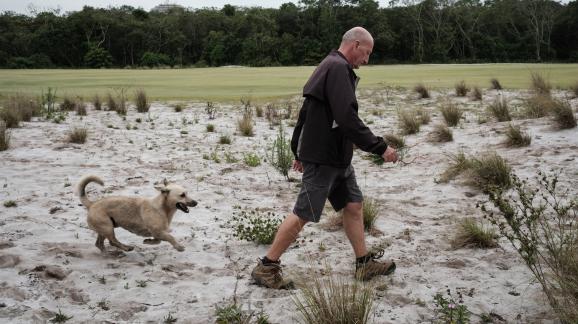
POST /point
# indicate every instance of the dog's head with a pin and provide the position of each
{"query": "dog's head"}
(175, 196)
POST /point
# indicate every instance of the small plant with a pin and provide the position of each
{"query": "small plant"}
(255, 226)
(245, 124)
(48, 101)
(574, 89)
(471, 234)
(540, 85)
(225, 139)
(281, 156)
(111, 102)
(452, 113)
(490, 171)
(178, 108)
(4, 136)
(10, 117)
(424, 116)
(78, 135)
(449, 311)
(251, 159)
(476, 93)
(538, 106)
(233, 314)
(408, 122)
(96, 102)
(259, 111)
(516, 137)
(103, 304)
(230, 158)
(459, 163)
(370, 213)
(211, 110)
(210, 128)
(121, 107)
(80, 108)
(10, 203)
(67, 104)
(422, 91)
(272, 115)
(441, 133)
(394, 141)
(461, 89)
(141, 283)
(141, 101)
(496, 84)
(499, 109)
(60, 317)
(169, 319)
(563, 114)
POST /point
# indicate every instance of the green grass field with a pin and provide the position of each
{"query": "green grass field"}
(231, 83)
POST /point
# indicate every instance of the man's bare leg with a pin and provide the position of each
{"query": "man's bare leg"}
(286, 234)
(353, 226)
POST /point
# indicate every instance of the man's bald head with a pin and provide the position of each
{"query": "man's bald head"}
(356, 34)
(356, 46)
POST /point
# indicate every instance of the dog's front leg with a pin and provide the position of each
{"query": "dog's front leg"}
(169, 238)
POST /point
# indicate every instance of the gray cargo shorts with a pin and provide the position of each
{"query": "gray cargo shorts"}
(322, 182)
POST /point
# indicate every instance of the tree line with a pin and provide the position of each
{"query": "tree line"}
(407, 31)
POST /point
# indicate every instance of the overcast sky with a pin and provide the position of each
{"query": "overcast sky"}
(23, 6)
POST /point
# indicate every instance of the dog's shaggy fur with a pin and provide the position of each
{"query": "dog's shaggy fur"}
(149, 217)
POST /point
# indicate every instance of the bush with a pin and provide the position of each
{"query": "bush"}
(408, 122)
(255, 226)
(422, 91)
(245, 124)
(4, 136)
(334, 300)
(281, 156)
(461, 89)
(370, 213)
(563, 114)
(496, 84)
(477, 94)
(141, 101)
(471, 234)
(516, 137)
(78, 135)
(540, 221)
(499, 109)
(251, 159)
(441, 133)
(451, 113)
(152, 59)
(540, 85)
(10, 117)
(538, 106)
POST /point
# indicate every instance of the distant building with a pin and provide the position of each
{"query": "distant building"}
(166, 7)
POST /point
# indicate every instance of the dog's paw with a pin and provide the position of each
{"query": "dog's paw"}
(129, 248)
(151, 241)
(180, 248)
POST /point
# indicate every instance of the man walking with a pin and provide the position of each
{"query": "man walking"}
(322, 143)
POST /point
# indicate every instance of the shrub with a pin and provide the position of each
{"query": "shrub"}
(370, 213)
(67, 104)
(540, 221)
(334, 300)
(210, 128)
(255, 226)
(10, 117)
(48, 102)
(441, 133)
(461, 89)
(540, 85)
(496, 84)
(451, 113)
(471, 234)
(78, 135)
(499, 109)
(245, 124)
(4, 136)
(96, 102)
(538, 106)
(563, 114)
(272, 115)
(424, 116)
(516, 137)
(408, 122)
(211, 110)
(281, 156)
(422, 91)
(23, 107)
(476, 93)
(251, 159)
(141, 101)
(225, 139)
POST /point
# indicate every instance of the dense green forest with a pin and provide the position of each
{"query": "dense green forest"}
(408, 31)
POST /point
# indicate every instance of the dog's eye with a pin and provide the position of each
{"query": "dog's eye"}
(183, 195)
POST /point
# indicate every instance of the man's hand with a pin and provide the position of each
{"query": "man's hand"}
(297, 166)
(390, 155)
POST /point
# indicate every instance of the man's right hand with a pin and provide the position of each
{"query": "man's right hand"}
(390, 155)
(297, 166)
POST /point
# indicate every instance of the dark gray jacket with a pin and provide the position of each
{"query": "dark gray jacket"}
(328, 123)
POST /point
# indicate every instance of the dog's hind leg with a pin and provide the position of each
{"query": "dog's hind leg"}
(100, 243)
(169, 238)
(114, 242)
(151, 241)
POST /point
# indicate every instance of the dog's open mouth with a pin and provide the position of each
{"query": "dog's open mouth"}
(182, 207)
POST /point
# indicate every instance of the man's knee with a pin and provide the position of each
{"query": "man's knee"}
(353, 209)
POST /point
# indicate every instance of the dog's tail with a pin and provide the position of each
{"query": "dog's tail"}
(81, 188)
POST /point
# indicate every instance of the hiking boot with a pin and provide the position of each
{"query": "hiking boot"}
(371, 268)
(271, 276)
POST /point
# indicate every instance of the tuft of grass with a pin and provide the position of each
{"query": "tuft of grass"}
(10, 203)
(334, 300)
(574, 89)
(67, 104)
(563, 114)
(96, 102)
(499, 109)
(516, 137)
(488, 171)
(4, 136)
(471, 234)
(141, 101)
(225, 139)
(80, 108)
(451, 113)
(111, 103)
(441, 133)
(370, 213)
(245, 124)
(476, 93)
(540, 85)
(461, 89)
(458, 164)
(408, 122)
(169, 319)
(538, 106)
(394, 141)
(210, 128)
(251, 159)
(496, 84)
(422, 91)
(60, 317)
(78, 135)
(20, 107)
(259, 111)
(424, 115)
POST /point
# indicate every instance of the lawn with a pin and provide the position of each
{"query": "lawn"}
(231, 83)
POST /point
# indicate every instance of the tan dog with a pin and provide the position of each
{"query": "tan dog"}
(141, 216)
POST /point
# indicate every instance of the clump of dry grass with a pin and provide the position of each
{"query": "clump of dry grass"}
(67, 104)
(538, 106)
(516, 137)
(80, 107)
(19, 107)
(422, 91)
(451, 113)
(476, 93)
(499, 109)
(258, 111)
(78, 135)
(272, 115)
(178, 107)
(141, 101)
(574, 89)
(210, 128)
(496, 84)
(394, 141)
(540, 85)
(471, 234)
(370, 213)
(96, 102)
(563, 114)
(111, 102)
(488, 171)
(4, 136)
(225, 139)
(458, 164)
(424, 115)
(461, 89)
(408, 122)
(245, 124)
(441, 133)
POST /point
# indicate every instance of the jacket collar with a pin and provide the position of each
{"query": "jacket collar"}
(353, 74)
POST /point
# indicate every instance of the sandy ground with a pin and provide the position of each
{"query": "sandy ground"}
(49, 261)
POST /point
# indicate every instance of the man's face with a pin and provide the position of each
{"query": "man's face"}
(362, 50)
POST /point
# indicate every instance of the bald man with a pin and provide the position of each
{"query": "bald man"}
(322, 143)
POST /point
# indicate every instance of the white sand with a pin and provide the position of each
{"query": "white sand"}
(47, 230)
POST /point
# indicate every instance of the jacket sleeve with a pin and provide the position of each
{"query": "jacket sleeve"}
(297, 131)
(340, 95)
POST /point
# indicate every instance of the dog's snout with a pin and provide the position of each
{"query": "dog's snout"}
(192, 203)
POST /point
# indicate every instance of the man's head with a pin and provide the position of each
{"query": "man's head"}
(356, 46)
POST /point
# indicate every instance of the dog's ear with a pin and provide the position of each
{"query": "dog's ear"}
(162, 188)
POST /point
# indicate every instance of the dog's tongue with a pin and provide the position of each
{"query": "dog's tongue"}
(182, 207)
